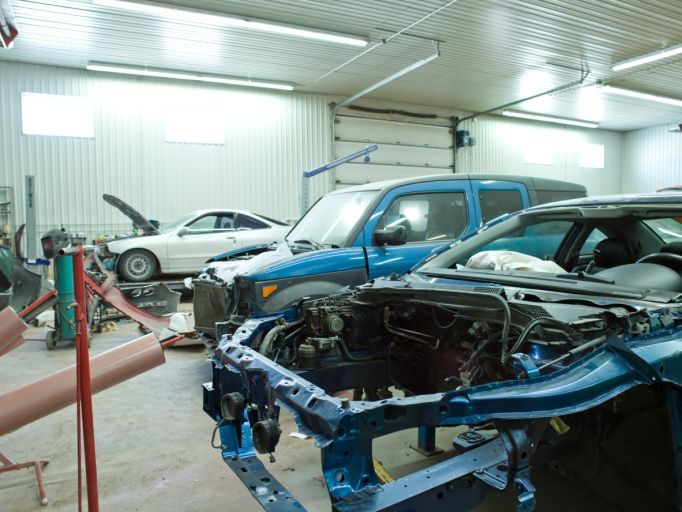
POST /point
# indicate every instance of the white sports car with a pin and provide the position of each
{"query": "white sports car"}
(183, 246)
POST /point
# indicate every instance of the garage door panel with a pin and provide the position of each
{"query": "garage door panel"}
(356, 174)
(406, 149)
(401, 155)
(377, 130)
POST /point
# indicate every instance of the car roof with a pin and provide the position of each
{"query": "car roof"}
(222, 210)
(531, 182)
(674, 199)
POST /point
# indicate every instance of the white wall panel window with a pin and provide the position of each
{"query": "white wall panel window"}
(539, 152)
(57, 115)
(195, 125)
(591, 155)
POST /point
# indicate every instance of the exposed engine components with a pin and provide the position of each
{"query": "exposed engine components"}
(232, 406)
(265, 435)
(308, 355)
(335, 324)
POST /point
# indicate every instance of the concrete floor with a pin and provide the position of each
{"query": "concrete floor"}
(153, 445)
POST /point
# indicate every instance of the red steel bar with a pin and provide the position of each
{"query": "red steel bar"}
(35, 305)
(51, 393)
(172, 341)
(11, 329)
(84, 379)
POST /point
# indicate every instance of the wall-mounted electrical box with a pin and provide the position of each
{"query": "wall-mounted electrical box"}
(463, 139)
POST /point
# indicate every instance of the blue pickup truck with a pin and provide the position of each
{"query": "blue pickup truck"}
(360, 233)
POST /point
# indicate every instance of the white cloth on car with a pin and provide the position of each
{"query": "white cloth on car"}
(226, 270)
(510, 260)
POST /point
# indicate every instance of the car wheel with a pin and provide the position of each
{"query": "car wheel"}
(137, 265)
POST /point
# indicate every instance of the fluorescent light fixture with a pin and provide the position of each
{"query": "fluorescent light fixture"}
(648, 57)
(550, 119)
(642, 95)
(180, 75)
(195, 16)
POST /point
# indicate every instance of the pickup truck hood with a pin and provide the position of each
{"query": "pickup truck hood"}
(314, 262)
(139, 220)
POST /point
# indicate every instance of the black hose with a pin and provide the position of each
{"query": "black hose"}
(391, 111)
(355, 359)
(527, 330)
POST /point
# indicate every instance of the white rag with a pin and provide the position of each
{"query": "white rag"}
(510, 260)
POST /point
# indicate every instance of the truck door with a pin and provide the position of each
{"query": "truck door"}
(495, 198)
(433, 214)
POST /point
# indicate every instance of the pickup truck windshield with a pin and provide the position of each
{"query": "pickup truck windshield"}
(331, 219)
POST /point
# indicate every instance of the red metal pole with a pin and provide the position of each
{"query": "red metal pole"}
(84, 379)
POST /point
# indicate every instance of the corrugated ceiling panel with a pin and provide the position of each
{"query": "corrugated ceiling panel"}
(270, 138)
(492, 52)
(652, 159)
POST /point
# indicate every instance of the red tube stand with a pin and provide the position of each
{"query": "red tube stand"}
(83, 373)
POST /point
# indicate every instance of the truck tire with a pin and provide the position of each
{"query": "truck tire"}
(137, 265)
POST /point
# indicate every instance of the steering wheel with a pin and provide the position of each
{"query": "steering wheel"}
(667, 259)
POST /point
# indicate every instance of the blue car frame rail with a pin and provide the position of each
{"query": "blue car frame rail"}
(498, 458)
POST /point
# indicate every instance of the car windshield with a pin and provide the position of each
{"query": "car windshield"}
(590, 240)
(331, 219)
(669, 230)
(167, 228)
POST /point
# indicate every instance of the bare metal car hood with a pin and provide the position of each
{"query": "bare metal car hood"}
(139, 220)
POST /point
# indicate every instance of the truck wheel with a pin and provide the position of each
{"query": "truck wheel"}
(137, 265)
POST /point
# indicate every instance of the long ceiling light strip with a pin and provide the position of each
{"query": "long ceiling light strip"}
(201, 17)
(180, 75)
(642, 95)
(647, 58)
(550, 119)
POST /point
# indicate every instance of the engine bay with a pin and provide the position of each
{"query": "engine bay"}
(450, 339)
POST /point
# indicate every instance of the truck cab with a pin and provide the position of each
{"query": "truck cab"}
(360, 233)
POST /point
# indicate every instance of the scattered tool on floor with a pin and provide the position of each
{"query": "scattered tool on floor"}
(101, 290)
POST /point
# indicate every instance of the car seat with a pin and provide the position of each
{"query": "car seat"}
(611, 252)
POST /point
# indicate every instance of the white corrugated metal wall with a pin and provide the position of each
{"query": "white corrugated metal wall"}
(500, 144)
(270, 137)
(652, 159)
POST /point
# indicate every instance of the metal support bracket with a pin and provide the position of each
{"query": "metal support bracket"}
(426, 442)
(328, 167)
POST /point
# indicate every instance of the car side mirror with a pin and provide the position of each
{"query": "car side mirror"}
(395, 235)
(183, 231)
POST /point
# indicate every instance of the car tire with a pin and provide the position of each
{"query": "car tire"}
(137, 265)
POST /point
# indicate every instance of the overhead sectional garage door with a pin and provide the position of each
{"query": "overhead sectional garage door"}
(406, 149)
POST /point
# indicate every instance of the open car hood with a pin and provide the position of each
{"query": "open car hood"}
(139, 220)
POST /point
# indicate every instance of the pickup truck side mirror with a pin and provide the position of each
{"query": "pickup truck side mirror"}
(396, 235)
(183, 231)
